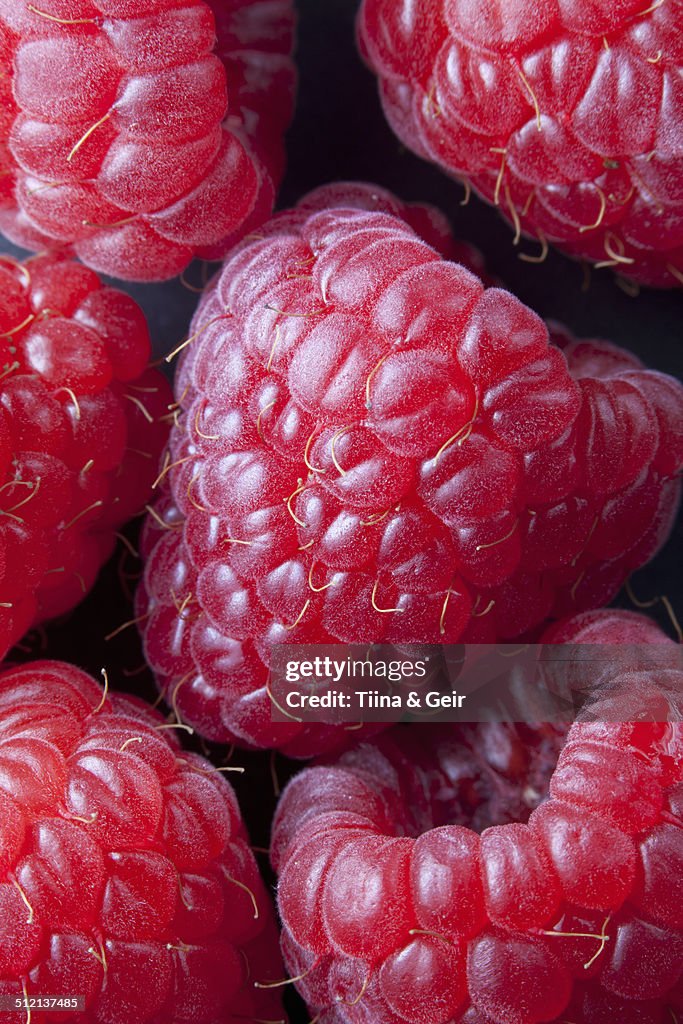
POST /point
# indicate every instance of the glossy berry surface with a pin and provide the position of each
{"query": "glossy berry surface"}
(490, 873)
(370, 446)
(126, 874)
(566, 115)
(141, 134)
(81, 431)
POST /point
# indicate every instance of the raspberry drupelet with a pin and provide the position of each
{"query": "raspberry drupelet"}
(493, 873)
(81, 431)
(126, 875)
(566, 115)
(142, 133)
(370, 446)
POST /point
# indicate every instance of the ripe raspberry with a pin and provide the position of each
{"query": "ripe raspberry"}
(565, 115)
(614, 626)
(371, 447)
(80, 433)
(142, 134)
(127, 875)
(489, 874)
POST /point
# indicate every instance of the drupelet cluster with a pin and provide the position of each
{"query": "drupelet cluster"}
(494, 873)
(127, 875)
(371, 446)
(82, 426)
(566, 115)
(141, 134)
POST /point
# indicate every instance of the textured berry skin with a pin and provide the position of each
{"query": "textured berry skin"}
(489, 874)
(142, 134)
(371, 447)
(566, 115)
(614, 626)
(81, 431)
(126, 874)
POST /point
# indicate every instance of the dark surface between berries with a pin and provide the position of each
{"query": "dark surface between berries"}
(340, 133)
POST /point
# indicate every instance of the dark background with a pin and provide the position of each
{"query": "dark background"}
(339, 133)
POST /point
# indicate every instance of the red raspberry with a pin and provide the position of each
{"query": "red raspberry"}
(126, 873)
(565, 115)
(80, 433)
(371, 447)
(489, 874)
(139, 133)
(604, 627)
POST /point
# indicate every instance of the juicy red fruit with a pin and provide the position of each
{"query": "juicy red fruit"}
(492, 873)
(81, 429)
(565, 115)
(127, 876)
(142, 134)
(371, 446)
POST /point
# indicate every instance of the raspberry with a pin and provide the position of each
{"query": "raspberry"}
(604, 627)
(142, 134)
(126, 873)
(489, 874)
(371, 447)
(80, 433)
(565, 115)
